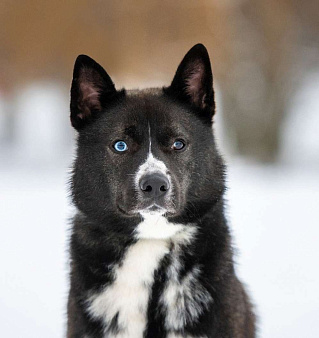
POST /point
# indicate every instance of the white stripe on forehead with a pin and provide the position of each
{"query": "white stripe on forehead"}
(151, 165)
(150, 138)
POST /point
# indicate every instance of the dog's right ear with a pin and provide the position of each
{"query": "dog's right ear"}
(92, 90)
(193, 82)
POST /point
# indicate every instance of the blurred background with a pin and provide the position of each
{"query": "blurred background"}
(265, 60)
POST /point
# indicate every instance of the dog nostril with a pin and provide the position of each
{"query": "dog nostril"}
(154, 185)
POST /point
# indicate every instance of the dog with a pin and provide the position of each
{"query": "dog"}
(150, 248)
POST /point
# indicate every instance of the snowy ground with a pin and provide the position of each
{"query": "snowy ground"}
(33, 215)
(275, 219)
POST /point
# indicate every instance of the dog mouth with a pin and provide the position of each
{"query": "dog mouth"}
(152, 209)
(125, 212)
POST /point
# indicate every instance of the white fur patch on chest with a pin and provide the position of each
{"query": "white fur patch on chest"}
(184, 299)
(127, 297)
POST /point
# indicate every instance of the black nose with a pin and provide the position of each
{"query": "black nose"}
(154, 185)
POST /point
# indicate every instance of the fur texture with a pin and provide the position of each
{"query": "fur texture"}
(150, 248)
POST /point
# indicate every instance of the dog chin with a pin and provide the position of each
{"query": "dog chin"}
(151, 210)
(154, 210)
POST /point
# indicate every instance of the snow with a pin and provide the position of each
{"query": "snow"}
(33, 285)
(275, 220)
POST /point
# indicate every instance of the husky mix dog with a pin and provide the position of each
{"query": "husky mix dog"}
(151, 252)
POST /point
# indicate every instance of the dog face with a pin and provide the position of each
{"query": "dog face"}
(149, 151)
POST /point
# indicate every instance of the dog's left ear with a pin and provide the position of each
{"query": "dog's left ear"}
(193, 82)
(91, 92)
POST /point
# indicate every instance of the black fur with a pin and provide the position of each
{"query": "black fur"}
(103, 191)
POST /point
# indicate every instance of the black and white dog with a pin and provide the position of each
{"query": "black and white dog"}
(151, 252)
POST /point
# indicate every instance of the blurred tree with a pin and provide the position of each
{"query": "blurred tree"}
(259, 50)
(266, 47)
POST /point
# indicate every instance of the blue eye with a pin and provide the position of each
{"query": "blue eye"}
(178, 145)
(120, 146)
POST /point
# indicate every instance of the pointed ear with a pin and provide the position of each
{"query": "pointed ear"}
(92, 89)
(193, 81)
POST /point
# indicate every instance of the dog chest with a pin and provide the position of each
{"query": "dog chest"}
(122, 306)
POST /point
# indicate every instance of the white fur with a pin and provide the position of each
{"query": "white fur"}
(129, 293)
(184, 300)
(155, 225)
(150, 138)
(151, 166)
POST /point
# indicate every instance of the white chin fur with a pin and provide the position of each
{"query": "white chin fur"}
(156, 226)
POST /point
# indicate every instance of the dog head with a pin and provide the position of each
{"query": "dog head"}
(148, 151)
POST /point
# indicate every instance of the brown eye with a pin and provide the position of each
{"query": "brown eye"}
(178, 145)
